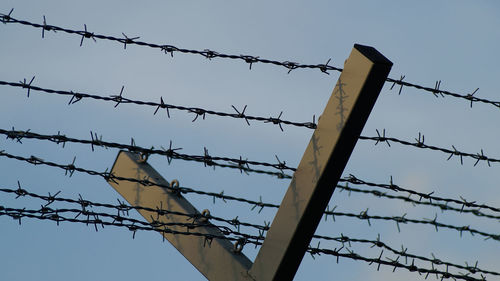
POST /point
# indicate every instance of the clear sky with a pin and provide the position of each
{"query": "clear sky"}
(456, 42)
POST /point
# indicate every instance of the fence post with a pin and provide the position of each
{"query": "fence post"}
(322, 165)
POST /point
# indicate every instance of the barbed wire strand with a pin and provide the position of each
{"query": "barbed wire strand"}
(168, 49)
(203, 218)
(352, 179)
(392, 263)
(420, 143)
(362, 215)
(71, 168)
(345, 240)
(124, 209)
(443, 207)
(197, 111)
(243, 165)
(18, 135)
(249, 59)
(171, 153)
(53, 215)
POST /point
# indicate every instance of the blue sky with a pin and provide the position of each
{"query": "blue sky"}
(453, 41)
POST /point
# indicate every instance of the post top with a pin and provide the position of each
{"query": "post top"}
(372, 54)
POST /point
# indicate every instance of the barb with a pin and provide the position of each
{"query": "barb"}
(120, 99)
(170, 49)
(170, 153)
(420, 143)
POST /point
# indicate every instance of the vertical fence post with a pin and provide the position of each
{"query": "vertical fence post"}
(322, 165)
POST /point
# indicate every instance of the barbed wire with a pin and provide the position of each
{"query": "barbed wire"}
(110, 177)
(197, 111)
(438, 92)
(211, 54)
(352, 179)
(55, 215)
(123, 211)
(70, 168)
(118, 221)
(392, 263)
(165, 48)
(171, 153)
(362, 215)
(420, 143)
(243, 165)
(345, 240)
(94, 218)
(443, 207)
(249, 59)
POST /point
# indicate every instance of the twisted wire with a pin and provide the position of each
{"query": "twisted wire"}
(392, 262)
(54, 215)
(120, 99)
(124, 209)
(243, 165)
(345, 240)
(18, 135)
(438, 92)
(443, 207)
(165, 48)
(19, 214)
(420, 143)
(110, 177)
(171, 153)
(428, 196)
(249, 59)
(362, 215)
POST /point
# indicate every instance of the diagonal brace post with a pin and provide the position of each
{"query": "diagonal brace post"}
(216, 259)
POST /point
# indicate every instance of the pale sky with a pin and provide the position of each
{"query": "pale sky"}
(456, 42)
